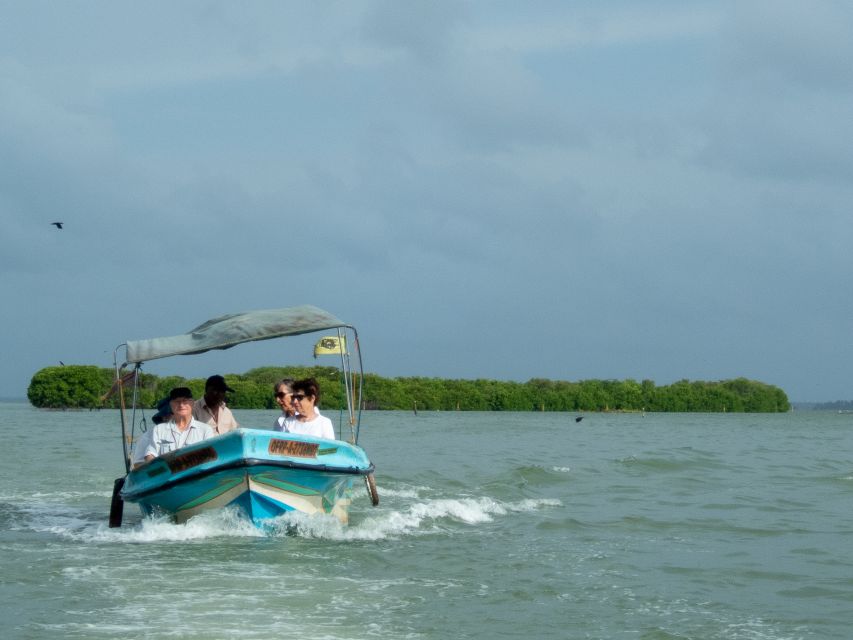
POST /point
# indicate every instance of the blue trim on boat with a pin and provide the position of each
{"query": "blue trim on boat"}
(264, 473)
(132, 496)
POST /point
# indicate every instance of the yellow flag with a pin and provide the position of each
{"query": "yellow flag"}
(330, 345)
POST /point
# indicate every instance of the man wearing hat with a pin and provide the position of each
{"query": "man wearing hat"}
(211, 408)
(179, 431)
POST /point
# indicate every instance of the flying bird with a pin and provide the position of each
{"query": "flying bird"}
(58, 225)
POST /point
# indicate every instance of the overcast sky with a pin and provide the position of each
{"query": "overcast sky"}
(508, 190)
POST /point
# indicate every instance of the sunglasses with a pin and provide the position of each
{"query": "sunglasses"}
(299, 397)
(281, 394)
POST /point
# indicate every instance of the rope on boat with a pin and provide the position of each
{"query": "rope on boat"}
(127, 439)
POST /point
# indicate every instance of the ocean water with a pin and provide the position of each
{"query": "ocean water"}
(490, 525)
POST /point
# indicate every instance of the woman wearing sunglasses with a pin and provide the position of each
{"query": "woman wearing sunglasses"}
(283, 391)
(307, 420)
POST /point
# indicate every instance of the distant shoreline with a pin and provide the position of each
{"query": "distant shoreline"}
(92, 387)
(840, 406)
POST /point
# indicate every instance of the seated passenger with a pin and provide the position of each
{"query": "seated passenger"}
(283, 396)
(307, 420)
(182, 429)
(211, 407)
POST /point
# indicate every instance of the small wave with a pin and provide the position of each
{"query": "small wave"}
(671, 465)
(752, 630)
(476, 510)
(412, 492)
(418, 519)
(86, 527)
(420, 516)
(54, 496)
(43, 517)
(534, 504)
(214, 524)
(42, 511)
(532, 476)
(12, 516)
(657, 464)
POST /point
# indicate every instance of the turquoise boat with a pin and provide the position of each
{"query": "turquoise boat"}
(262, 473)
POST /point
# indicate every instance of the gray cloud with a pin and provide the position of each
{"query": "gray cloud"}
(549, 190)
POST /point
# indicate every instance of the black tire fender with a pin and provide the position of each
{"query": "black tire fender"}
(370, 481)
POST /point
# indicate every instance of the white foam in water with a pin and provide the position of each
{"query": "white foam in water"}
(417, 519)
(532, 504)
(53, 512)
(413, 492)
(415, 516)
(65, 496)
(470, 510)
(54, 518)
(225, 522)
(221, 523)
(59, 497)
(561, 469)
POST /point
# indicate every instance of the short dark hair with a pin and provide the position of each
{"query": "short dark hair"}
(284, 382)
(309, 387)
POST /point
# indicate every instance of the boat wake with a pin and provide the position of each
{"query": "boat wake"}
(404, 511)
(427, 516)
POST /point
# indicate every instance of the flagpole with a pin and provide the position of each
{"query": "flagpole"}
(345, 366)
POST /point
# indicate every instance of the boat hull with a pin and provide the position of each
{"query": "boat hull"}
(265, 474)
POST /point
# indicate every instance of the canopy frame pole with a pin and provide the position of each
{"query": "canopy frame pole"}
(136, 382)
(360, 397)
(122, 410)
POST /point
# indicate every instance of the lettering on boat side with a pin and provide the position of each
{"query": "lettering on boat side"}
(293, 448)
(184, 461)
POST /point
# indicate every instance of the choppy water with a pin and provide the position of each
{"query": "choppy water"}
(663, 527)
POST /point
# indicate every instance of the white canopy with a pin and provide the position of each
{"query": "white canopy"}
(226, 331)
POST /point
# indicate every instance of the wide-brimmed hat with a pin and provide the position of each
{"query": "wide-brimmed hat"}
(164, 410)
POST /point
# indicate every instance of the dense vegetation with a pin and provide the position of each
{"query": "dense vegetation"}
(86, 386)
